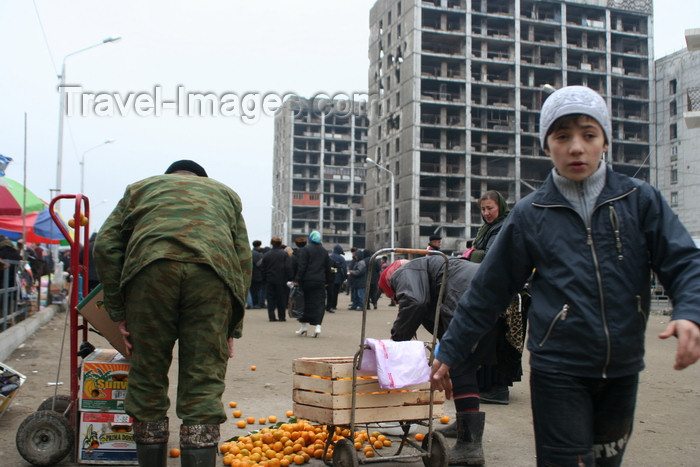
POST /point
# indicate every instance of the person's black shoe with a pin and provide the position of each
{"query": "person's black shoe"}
(330, 310)
(392, 303)
(497, 395)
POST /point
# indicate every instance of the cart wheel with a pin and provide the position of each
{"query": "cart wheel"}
(44, 438)
(439, 454)
(344, 454)
(60, 406)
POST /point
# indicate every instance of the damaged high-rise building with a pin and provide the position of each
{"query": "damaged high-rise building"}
(319, 171)
(455, 88)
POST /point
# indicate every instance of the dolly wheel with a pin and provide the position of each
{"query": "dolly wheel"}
(439, 454)
(58, 404)
(44, 438)
(344, 454)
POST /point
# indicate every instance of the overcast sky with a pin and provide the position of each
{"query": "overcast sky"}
(232, 49)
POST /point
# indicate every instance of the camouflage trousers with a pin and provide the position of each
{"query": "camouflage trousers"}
(168, 301)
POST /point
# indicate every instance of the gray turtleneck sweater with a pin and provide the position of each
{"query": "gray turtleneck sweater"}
(582, 195)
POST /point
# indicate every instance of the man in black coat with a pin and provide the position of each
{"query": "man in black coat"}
(313, 274)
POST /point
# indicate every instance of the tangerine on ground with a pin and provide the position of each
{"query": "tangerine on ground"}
(262, 420)
(174, 453)
(232, 404)
(250, 420)
(299, 459)
(272, 419)
(445, 419)
(241, 423)
(289, 413)
(253, 368)
(420, 436)
(237, 413)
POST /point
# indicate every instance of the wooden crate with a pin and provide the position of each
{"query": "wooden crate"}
(323, 394)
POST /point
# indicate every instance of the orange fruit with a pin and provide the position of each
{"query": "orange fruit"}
(445, 419)
(420, 436)
(262, 420)
(250, 420)
(83, 220)
(174, 453)
(232, 404)
(299, 459)
(284, 462)
(253, 368)
(241, 424)
(272, 419)
(237, 413)
(289, 413)
(71, 223)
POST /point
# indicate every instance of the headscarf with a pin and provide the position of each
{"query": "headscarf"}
(385, 277)
(502, 213)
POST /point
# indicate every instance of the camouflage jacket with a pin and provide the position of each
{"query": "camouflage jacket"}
(178, 217)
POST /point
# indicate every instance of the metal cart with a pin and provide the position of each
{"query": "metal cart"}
(433, 450)
(50, 434)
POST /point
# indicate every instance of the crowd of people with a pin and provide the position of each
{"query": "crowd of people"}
(571, 263)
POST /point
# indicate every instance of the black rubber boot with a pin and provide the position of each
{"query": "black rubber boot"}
(449, 431)
(468, 449)
(198, 445)
(200, 457)
(152, 443)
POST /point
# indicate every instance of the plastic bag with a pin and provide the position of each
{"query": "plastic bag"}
(295, 304)
(396, 364)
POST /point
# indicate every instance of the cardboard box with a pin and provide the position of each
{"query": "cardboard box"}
(106, 438)
(323, 393)
(104, 380)
(93, 310)
(6, 399)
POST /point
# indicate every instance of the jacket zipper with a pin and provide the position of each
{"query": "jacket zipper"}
(559, 316)
(603, 314)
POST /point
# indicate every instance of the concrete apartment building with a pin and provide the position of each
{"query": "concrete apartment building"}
(455, 87)
(676, 170)
(319, 171)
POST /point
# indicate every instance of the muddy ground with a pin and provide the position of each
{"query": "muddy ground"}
(666, 431)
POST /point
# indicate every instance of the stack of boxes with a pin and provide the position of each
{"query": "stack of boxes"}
(106, 432)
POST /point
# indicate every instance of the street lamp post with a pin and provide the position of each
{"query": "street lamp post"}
(82, 164)
(391, 194)
(62, 98)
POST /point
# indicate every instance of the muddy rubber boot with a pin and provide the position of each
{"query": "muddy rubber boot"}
(152, 442)
(449, 431)
(468, 449)
(201, 457)
(198, 445)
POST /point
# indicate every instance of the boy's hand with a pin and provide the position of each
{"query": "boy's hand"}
(688, 334)
(440, 378)
(125, 336)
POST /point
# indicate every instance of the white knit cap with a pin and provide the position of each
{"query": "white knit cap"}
(575, 100)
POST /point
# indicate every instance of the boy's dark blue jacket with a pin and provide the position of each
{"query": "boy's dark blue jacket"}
(591, 287)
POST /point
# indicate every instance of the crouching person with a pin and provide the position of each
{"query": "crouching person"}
(415, 286)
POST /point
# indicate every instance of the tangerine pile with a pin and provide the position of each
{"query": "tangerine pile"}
(293, 443)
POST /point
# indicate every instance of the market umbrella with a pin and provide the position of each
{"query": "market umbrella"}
(40, 227)
(12, 199)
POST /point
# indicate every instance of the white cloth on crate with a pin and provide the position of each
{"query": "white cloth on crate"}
(396, 364)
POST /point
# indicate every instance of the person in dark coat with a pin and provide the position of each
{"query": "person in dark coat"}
(257, 285)
(416, 287)
(357, 275)
(277, 270)
(375, 269)
(340, 266)
(313, 274)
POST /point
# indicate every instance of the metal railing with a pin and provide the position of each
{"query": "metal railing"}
(14, 306)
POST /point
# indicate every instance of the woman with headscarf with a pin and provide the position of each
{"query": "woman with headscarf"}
(495, 378)
(494, 209)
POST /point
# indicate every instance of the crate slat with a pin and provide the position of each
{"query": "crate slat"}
(328, 416)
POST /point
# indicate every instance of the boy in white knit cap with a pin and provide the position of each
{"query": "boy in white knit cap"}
(592, 236)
